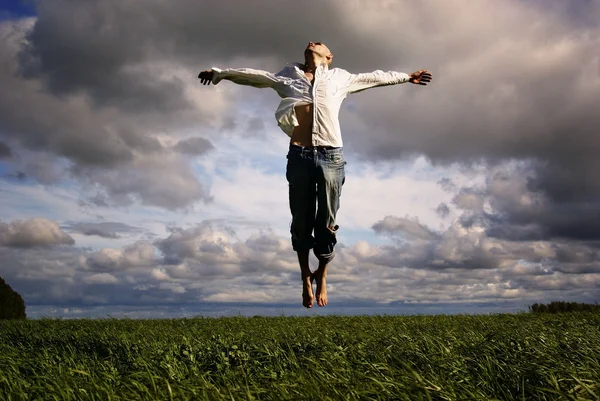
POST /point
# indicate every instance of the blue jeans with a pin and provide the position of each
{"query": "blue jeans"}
(315, 177)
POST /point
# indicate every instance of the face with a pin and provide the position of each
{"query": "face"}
(319, 49)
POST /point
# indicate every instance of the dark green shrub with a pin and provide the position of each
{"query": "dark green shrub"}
(561, 306)
(11, 303)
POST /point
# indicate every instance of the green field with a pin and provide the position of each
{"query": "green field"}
(522, 356)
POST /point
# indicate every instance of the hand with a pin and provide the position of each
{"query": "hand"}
(206, 77)
(420, 77)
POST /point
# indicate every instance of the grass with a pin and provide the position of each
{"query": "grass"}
(505, 357)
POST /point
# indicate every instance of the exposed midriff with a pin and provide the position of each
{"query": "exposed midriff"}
(302, 134)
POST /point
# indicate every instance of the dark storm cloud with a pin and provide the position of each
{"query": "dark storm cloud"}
(194, 146)
(102, 48)
(124, 56)
(495, 94)
(113, 150)
(97, 48)
(518, 211)
(5, 151)
(39, 122)
(506, 90)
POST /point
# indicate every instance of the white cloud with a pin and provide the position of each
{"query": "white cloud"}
(239, 295)
(33, 232)
(140, 254)
(160, 275)
(101, 278)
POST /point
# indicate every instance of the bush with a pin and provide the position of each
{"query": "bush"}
(561, 306)
(11, 303)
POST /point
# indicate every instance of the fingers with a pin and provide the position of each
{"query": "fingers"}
(420, 77)
(424, 78)
(204, 79)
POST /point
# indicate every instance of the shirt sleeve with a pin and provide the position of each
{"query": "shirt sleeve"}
(246, 76)
(360, 82)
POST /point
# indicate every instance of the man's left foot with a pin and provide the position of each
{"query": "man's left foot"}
(321, 288)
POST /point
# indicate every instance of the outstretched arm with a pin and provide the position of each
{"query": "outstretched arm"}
(360, 82)
(242, 76)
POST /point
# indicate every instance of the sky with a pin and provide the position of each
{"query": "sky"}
(128, 189)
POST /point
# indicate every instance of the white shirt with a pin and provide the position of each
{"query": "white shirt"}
(330, 88)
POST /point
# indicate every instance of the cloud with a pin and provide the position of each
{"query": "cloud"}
(194, 146)
(517, 211)
(405, 227)
(103, 97)
(140, 254)
(207, 264)
(118, 154)
(104, 229)
(132, 84)
(33, 232)
(211, 250)
(5, 151)
(101, 61)
(442, 210)
(456, 247)
(469, 200)
(502, 224)
(165, 181)
(101, 278)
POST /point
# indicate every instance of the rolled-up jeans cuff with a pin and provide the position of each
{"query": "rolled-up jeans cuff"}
(326, 258)
(303, 246)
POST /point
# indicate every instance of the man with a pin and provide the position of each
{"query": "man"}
(312, 95)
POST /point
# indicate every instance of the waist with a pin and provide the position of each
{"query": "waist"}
(313, 149)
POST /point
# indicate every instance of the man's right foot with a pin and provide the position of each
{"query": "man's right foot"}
(307, 292)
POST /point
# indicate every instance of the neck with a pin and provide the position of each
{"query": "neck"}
(311, 63)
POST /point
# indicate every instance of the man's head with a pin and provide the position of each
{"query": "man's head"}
(318, 52)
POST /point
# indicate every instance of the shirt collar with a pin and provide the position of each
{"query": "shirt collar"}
(300, 66)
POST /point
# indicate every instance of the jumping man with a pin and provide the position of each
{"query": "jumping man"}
(312, 95)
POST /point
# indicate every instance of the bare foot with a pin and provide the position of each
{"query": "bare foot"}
(321, 288)
(307, 292)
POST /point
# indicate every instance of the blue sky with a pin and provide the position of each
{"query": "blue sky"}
(127, 188)
(15, 9)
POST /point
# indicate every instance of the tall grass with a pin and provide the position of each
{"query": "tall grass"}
(506, 357)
